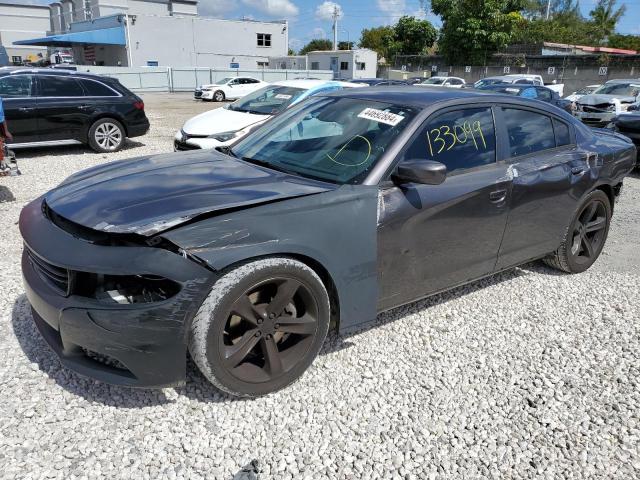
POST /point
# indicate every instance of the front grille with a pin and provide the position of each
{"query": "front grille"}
(197, 94)
(586, 108)
(57, 277)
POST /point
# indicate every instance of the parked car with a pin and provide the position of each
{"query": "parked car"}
(451, 82)
(628, 124)
(224, 126)
(530, 91)
(614, 97)
(520, 79)
(414, 80)
(378, 82)
(62, 106)
(578, 94)
(345, 205)
(228, 88)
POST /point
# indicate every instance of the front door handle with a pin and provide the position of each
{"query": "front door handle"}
(26, 109)
(84, 107)
(498, 196)
(578, 170)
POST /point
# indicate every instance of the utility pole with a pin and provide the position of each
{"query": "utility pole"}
(335, 27)
(548, 8)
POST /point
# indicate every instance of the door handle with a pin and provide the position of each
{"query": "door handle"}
(84, 107)
(26, 109)
(578, 170)
(498, 196)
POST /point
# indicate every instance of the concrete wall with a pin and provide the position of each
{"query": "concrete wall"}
(204, 42)
(324, 60)
(289, 62)
(574, 72)
(22, 22)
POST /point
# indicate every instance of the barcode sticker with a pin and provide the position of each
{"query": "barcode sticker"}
(381, 116)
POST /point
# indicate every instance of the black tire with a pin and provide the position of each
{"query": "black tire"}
(235, 351)
(106, 135)
(582, 242)
(218, 96)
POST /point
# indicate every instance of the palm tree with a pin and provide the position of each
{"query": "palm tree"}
(605, 16)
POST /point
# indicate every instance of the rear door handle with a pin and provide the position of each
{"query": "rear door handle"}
(26, 109)
(498, 196)
(84, 107)
(578, 170)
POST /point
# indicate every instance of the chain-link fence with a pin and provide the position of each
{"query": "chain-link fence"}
(184, 79)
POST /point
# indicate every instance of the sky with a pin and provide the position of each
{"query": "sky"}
(311, 19)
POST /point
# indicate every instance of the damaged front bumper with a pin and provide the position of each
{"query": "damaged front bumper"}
(595, 119)
(132, 344)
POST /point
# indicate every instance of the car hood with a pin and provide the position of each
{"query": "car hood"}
(220, 120)
(597, 99)
(151, 194)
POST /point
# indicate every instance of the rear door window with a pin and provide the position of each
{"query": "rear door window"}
(51, 86)
(96, 89)
(529, 132)
(460, 139)
(15, 86)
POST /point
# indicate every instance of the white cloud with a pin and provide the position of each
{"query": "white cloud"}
(325, 10)
(274, 8)
(394, 9)
(295, 43)
(319, 33)
(216, 8)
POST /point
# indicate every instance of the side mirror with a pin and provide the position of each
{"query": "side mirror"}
(428, 172)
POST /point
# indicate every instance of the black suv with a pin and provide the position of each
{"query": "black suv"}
(51, 105)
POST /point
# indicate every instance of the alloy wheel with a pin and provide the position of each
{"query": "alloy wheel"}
(589, 232)
(219, 96)
(270, 328)
(108, 136)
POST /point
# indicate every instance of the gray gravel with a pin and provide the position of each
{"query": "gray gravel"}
(527, 374)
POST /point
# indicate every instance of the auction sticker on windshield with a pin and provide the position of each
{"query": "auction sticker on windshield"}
(283, 96)
(381, 116)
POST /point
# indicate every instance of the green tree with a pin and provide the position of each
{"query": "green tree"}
(291, 51)
(605, 16)
(378, 39)
(345, 45)
(629, 42)
(472, 30)
(534, 9)
(316, 44)
(412, 36)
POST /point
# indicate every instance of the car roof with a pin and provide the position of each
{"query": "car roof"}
(49, 71)
(411, 95)
(309, 84)
(623, 80)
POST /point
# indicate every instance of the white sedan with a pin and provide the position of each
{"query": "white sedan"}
(451, 82)
(229, 88)
(223, 126)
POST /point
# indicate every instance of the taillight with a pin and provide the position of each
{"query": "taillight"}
(138, 105)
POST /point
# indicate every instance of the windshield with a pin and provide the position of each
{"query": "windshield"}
(223, 81)
(267, 101)
(434, 81)
(338, 140)
(623, 89)
(487, 81)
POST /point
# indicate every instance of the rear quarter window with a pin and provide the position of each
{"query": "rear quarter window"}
(563, 135)
(97, 89)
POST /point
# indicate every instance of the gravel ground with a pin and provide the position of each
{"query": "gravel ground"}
(528, 374)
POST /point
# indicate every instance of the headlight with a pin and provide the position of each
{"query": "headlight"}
(226, 136)
(126, 289)
(206, 89)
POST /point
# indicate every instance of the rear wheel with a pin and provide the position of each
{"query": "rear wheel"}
(219, 96)
(586, 235)
(106, 135)
(261, 326)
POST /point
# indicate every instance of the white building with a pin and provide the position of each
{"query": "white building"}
(21, 20)
(160, 33)
(346, 64)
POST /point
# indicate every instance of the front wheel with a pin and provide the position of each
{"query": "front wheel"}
(586, 235)
(261, 326)
(219, 96)
(106, 135)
